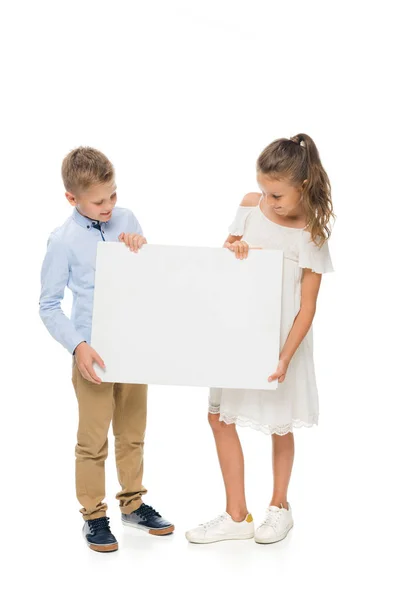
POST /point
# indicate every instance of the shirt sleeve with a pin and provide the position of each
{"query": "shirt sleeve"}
(134, 225)
(313, 257)
(54, 279)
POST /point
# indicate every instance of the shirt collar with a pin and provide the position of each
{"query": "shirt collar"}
(82, 220)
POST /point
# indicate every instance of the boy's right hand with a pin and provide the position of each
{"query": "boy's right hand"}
(85, 355)
(241, 249)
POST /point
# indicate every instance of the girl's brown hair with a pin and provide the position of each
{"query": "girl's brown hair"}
(297, 159)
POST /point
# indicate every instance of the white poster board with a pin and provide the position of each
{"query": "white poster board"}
(187, 316)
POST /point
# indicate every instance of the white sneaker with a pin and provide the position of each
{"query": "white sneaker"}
(222, 528)
(276, 525)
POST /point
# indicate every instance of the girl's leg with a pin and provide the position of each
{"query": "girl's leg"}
(231, 460)
(282, 462)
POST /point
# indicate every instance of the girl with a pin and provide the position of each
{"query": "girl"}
(292, 214)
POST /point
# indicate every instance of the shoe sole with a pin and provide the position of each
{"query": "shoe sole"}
(160, 532)
(101, 548)
(260, 541)
(224, 539)
(110, 548)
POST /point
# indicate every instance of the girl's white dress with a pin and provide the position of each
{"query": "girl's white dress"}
(295, 402)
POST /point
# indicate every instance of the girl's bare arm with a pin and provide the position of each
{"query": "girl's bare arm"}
(309, 292)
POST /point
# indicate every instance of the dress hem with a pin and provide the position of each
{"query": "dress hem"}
(266, 429)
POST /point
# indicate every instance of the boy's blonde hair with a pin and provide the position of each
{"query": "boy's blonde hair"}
(84, 167)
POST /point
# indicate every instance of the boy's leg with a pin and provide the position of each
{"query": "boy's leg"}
(95, 413)
(129, 425)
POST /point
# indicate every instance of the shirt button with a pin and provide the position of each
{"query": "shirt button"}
(88, 226)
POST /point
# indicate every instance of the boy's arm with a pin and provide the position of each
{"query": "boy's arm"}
(54, 279)
(134, 238)
(134, 225)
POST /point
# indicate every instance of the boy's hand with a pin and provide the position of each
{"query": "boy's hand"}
(134, 241)
(85, 355)
(241, 249)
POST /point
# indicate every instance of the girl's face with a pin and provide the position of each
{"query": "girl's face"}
(280, 196)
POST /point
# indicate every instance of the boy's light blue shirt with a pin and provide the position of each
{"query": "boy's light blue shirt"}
(70, 262)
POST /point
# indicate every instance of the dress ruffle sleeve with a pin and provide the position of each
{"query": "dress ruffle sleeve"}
(237, 225)
(314, 258)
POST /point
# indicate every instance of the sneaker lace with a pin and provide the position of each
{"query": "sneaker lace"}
(99, 524)
(147, 511)
(271, 518)
(215, 521)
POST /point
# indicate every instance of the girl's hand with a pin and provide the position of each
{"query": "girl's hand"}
(134, 241)
(240, 248)
(280, 372)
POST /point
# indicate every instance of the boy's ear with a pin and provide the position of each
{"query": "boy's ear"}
(71, 198)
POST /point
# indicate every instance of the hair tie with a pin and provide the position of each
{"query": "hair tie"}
(296, 141)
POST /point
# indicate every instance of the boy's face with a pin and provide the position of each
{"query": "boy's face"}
(97, 202)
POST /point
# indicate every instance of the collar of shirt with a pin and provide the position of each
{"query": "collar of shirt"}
(85, 221)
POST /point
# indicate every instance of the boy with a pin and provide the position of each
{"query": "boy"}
(89, 181)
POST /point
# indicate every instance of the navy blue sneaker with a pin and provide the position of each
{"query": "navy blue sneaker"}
(98, 535)
(148, 519)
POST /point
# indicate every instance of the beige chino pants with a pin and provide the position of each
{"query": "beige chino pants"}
(125, 405)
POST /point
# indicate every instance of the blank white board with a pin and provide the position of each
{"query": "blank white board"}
(176, 315)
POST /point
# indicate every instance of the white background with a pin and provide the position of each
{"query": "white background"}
(182, 96)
